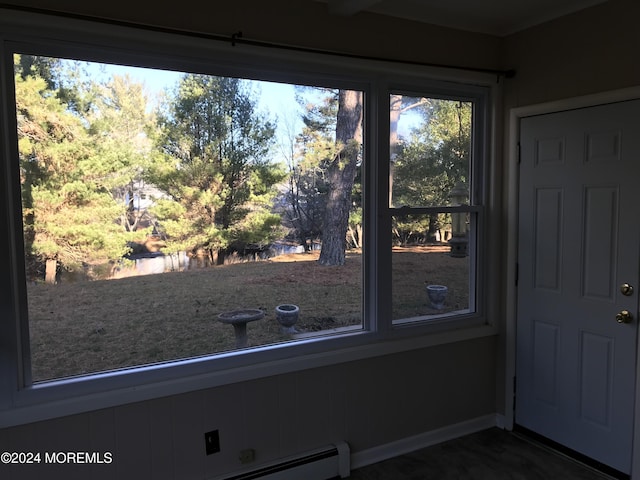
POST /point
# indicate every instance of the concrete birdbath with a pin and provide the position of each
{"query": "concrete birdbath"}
(239, 319)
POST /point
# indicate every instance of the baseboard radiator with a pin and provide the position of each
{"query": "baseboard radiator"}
(326, 463)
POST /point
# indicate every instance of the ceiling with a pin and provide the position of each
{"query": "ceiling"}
(495, 17)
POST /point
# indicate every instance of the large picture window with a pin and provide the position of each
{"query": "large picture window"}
(183, 214)
(169, 215)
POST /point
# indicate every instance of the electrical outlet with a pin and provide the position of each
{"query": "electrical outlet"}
(247, 456)
(212, 442)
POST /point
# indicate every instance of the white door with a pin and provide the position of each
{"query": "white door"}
(579, 238)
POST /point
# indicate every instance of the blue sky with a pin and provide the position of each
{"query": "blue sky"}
(275, 99)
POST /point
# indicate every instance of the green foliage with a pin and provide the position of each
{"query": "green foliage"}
(412, 229)
(91, 150)
(434, 158)
(257, 228)
(305, 200)
(68, 213)
(75, 225)
(214, 163)
(123, 130)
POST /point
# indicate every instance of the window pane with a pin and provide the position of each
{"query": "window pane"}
(430, 144)
(428, 281)
(164, 213)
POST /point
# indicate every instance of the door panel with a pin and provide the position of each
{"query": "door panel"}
(579, 237)
(548, 238)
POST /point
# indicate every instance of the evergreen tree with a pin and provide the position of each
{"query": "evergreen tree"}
(68, 211)
(215, 167)
(123, 131)
(432, 161)
(341, 174)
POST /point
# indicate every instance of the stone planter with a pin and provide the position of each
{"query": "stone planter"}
(287, 316)
(437, 295)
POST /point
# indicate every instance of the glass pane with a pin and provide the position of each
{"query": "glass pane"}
(430, 146)
(170, 215)
(429, 279)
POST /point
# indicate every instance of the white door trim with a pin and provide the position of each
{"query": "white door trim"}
(515, 114)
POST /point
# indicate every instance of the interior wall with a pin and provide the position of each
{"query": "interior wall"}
(593, 50)
(366, 403)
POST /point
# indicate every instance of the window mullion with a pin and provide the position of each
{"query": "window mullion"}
(381, 167)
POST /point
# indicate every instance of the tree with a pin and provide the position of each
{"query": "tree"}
(434, 158)
(341, 173)
(398, 104)
(123, 129)
(307, 156)
(343, 216)
(68, 212)
(215, 167)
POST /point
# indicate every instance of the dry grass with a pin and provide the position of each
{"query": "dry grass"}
(84, 327)
(416, 267)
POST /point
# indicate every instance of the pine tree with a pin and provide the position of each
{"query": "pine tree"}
(215, 167)
(341, 174)
(68, 211)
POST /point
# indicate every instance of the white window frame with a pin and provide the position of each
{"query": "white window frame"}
(476, 207)
(22, 402)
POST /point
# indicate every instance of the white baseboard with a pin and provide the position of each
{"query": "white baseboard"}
(422, 440)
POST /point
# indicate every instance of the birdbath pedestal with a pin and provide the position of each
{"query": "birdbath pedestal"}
(239, 319)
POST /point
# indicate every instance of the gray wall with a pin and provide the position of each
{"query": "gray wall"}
(590, 51)
(367, 403)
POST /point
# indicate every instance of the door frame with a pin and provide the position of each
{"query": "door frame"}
(513, 184)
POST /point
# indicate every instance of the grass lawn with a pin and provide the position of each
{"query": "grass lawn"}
(84, 327)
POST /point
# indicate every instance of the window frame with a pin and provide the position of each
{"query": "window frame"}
(22, 402)
(476, 207)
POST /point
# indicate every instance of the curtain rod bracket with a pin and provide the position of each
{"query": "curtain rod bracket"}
(235, 37)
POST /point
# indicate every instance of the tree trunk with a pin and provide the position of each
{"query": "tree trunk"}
(433, 228)
(341, 175)
(50, 271)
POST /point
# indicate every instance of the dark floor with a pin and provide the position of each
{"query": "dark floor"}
(489, 455)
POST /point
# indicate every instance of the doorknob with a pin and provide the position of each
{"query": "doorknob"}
(626, 289)
(624, 316)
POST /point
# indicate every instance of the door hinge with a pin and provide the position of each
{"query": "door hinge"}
(519, 154)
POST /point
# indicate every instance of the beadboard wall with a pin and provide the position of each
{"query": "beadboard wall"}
(365, 403)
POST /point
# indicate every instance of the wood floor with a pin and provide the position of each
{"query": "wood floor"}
(489, 455)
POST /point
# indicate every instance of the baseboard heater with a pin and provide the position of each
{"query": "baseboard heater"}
(326, 463)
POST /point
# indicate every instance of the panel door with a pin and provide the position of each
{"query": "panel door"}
(579, 237)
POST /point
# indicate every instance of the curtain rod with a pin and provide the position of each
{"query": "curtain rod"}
(238, 39)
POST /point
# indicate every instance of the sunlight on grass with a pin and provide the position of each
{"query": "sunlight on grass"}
(79, 328)
(92, 326)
